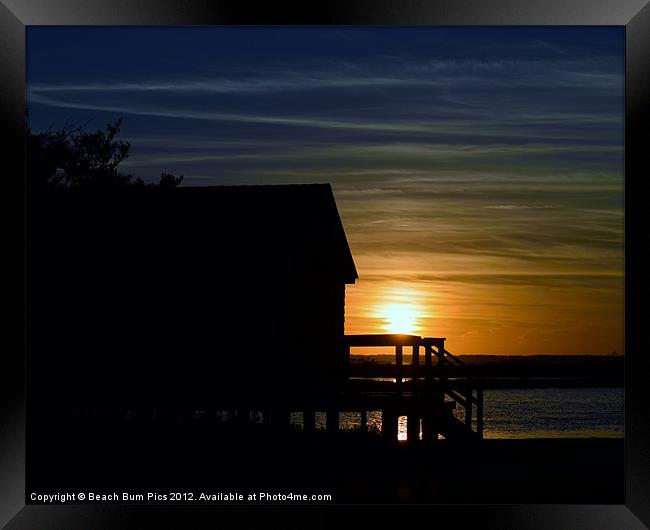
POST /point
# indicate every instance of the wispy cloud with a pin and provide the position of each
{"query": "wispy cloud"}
(460, 128)
(522, 206)
(227, 86)
(482, 171)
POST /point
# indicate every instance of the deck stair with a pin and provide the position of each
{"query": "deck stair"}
(438, 392)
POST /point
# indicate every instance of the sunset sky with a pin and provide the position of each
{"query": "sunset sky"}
(478, 171)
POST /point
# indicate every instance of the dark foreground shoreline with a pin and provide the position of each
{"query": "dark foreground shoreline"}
(352, 468)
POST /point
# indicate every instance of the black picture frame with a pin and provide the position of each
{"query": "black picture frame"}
(15, 15)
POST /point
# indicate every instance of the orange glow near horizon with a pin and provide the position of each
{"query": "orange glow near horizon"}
(493, 319)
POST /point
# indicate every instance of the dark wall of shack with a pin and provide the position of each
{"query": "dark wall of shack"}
(156, 299)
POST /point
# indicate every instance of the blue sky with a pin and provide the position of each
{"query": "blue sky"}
(479, 167)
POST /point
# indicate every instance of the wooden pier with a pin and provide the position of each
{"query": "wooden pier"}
(426, 389)
(434, 390)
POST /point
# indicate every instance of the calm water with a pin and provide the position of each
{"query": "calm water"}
(553, 412)
(530, 413)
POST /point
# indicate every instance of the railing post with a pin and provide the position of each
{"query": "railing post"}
(415, 364)
(332, 420)
(442, 377)
(364, 420)
(308, 420)
(242, 417)
(398, 364)
(389, 425)
(440, 346)
(427, 354)
(412, 427)
(468, 408)
(428, 423)
(479, 408)
(280, 418)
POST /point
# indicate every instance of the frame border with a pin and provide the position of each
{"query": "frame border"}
(633, 14)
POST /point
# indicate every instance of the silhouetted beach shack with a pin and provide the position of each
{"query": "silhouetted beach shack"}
(187, 296)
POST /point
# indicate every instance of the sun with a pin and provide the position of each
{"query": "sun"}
(400, 318)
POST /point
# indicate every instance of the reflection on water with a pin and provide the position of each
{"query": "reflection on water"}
(348, 421)
(554, 413)
(522, 413)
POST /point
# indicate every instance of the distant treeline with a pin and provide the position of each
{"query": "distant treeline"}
(582, 370)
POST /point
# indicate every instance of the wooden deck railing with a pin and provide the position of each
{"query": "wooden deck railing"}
(447, 377)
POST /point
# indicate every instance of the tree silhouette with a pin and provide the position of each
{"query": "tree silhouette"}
(167, 180)
(73, 158)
